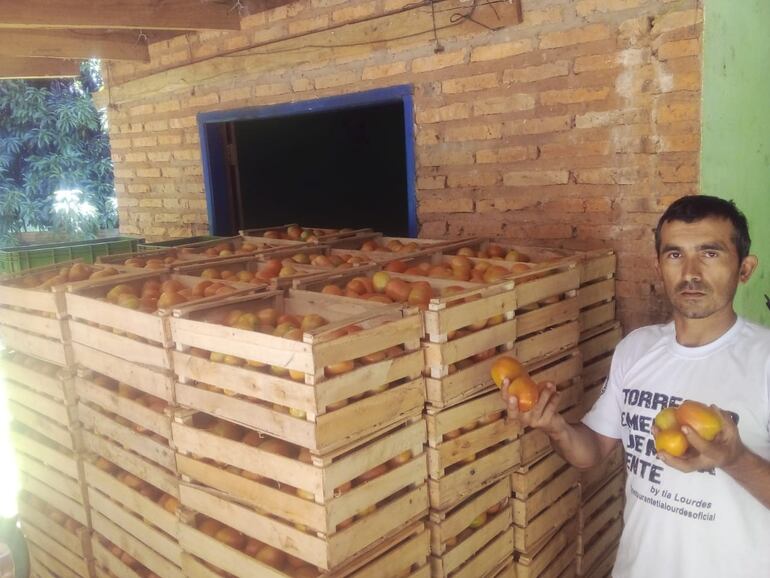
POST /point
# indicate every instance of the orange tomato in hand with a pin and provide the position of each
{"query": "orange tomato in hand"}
(526, 391)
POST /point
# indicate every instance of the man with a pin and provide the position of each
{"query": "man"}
(706, 513)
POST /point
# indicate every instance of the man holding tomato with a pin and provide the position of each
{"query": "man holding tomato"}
(706, 513)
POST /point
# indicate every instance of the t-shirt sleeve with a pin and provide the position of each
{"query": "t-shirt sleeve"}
(604, 416)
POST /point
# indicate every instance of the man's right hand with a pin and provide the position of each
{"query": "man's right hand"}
(545, 413)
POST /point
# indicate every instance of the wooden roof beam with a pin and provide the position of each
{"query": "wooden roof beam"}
(142, 14)
(37, 68)
(80, 44)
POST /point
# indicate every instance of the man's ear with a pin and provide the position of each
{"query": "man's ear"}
(748, 266)
(657, 265)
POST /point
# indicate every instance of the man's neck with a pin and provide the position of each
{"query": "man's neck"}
(697, 332)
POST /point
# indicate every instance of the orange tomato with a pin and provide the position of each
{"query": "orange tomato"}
(671, 441)
(506, 367)
(526, 391)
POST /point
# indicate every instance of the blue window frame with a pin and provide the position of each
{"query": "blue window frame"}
(213, 144)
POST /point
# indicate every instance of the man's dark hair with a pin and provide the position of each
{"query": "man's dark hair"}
(696, 207)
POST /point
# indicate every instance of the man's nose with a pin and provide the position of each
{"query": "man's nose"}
(691, 271)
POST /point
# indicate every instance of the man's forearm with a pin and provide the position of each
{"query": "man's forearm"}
(753, 473)
(577, 444)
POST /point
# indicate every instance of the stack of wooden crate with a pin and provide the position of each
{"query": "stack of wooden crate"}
(600, 519)
(125, 384)
(38, 384)
(602, 488)
(303, 454)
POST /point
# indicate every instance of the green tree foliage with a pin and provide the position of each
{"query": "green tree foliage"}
(52, 138)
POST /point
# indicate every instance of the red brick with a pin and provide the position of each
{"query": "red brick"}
(503, 104)
(537, 125)
(441, 155)
(535, 73)
(503, 50)
(526, 178)
(546, 16)
(506, 154)
(438, 61)
(674, 20)
(685, 172)
(679, 143)
(485, 131)
(356, 12)
(609, 176)
(303, 26)
(512, 203)
(153, 172)
(579, 149)
(473, 179)
(677, 111)
(470, 83)
(573, 95)
(458, 110)
(679, 49)
(384, 70)
(442, 205)
(145, 141)
(580, 35)
(611, 118)
(431, 182)
(339, 79)
(589, 7)
(272, 89)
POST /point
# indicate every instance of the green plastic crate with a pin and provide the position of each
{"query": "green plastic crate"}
(15, 259)
(176, 242)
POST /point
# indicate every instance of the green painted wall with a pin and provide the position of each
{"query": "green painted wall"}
(735, 148)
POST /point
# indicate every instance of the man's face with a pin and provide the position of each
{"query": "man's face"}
(699, 265)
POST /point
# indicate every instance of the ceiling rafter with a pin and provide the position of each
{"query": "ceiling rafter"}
(133, 14)
(11, 67)
(80, 44)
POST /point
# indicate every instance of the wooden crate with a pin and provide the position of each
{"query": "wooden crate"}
(454, 543)
(65, 541)
(593, 479)
(599, 554)
(51, 473)
(151, 380)
(44, 564)
(137, 513)
(118, 555)
(203, 251)
(136, 336)
(120, 416)
(323, 413)
(600, 511)
(403, 556)
(540, 484)
(323, 495)
(44, 378)
(532, 538)
(600, 341)
(318, 234)
(490, 561)
(545, 323)
(563, 369)
(44, 415)
(451, 337)
(553, 558)
(597, 288)
(261, 270)
(597, 346)
(602, 567)
(470, 446)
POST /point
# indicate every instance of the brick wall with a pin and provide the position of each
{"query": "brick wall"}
(575, 127)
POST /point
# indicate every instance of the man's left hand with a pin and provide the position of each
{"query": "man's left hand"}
(723, 451)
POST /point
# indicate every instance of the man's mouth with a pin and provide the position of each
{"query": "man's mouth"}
(692, 294)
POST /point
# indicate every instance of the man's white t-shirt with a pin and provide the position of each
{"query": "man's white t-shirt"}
(701, 524)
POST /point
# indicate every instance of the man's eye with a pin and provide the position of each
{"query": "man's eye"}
(711, 254)
(674, 255)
